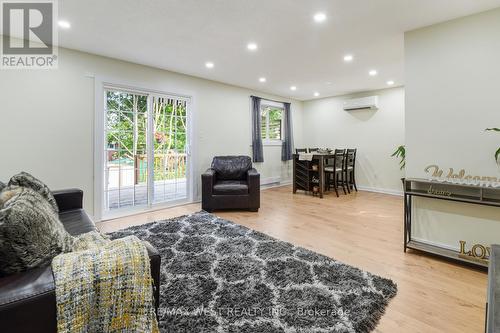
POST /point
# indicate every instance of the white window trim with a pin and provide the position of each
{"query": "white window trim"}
(270, 142)
(272, 103)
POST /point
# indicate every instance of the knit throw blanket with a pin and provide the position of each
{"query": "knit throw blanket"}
(104, 286)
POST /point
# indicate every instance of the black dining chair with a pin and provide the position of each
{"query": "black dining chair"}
(328, 162)
(345, 173)
(300, 150)
(335, 172)
(350, 170)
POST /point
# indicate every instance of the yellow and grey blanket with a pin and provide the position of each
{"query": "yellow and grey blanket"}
(104, 286)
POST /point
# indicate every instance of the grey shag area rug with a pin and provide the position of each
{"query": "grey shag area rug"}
(217, 276)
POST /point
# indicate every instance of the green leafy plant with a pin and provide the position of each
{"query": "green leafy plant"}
(497, 153)
(400, 153)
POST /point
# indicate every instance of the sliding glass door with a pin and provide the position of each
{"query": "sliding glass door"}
(146, 149)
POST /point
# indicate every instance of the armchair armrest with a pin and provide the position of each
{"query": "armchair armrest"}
(208, 181)
(253, 178)
(69, 199)
(207, 189)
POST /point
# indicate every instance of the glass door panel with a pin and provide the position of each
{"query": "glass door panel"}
(169, 141)
(125, 166)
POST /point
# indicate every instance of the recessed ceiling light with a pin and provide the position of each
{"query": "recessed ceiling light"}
(316, 94)
(328, 83)
(64, 24)
(252, 46)
(348, 58)
(319, 17)
(262, 79)
(293, 88)
(209, 64)
(373, 72)
(390, 83)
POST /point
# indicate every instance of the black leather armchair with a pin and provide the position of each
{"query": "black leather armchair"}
(27, 299)
(231, 183)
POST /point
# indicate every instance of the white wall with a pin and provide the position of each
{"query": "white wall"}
(47, 118)
(452, 95)
(375, 134)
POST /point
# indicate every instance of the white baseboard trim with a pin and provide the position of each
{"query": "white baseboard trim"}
(273, 185)
(381, 190)
(270, 180)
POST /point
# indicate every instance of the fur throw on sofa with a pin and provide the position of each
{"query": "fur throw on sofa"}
(25, 179)
(30, 231)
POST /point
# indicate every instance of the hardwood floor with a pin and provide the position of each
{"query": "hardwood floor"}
(364, 230)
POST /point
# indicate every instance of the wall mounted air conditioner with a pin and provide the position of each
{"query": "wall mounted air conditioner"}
(361, 103)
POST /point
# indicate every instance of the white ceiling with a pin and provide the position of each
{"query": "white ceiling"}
(181, 35)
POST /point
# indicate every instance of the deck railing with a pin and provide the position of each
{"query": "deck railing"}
(166, 166)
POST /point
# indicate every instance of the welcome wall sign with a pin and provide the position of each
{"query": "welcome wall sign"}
(461, 175)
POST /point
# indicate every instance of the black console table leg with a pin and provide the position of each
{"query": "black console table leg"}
(405, 226)
(408, 218)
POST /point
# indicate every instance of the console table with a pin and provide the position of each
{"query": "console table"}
(470, 194)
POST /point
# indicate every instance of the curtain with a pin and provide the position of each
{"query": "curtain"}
(257, 151)
(286, 148)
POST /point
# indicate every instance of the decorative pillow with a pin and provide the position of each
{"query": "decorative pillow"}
(2, 186)
(30, 231)
(24, 179)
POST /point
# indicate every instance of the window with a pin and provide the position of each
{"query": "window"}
(271, 122)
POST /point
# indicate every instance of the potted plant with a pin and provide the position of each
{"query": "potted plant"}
(400, 152)
(497, 153)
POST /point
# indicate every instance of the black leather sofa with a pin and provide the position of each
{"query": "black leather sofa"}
(231, 183)
(27, 299)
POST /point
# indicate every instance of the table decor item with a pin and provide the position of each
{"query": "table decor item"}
(325, 151)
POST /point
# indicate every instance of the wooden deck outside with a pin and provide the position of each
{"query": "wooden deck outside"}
(138, 195)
